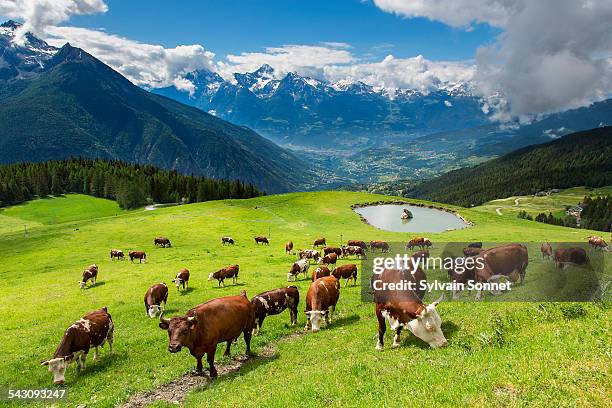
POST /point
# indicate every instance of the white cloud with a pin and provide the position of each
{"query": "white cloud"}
(414, 73)
(305, 59)
(144, 64)
(39, 15)
(553, 54)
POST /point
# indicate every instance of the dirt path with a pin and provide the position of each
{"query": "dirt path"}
(176, 391)
(516, 201)
(498, 211)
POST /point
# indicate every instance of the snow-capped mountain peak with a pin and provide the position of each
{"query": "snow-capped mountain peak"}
(21, 55)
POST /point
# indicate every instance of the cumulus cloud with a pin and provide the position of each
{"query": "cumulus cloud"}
(147, 65)
(414, 73)
(305, 59)
(39, 15)
(552, 54)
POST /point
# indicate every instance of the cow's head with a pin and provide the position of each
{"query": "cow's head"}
(177, 282)
(181, 331)
(315, 317)
(83, 282)
(154, 310)
(427, 326)
(57, 366)
(211, 276)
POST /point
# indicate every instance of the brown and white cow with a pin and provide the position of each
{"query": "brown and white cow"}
(598, 243)
(320, 272)
(382, 245)
(329, 259)
(420, 242)
(404, 308)
(92, 330)
(321, 301)
(117, 253)
(356, 242)
(140, 255)
(261, 239)
(162, 241)
(546, 250)
(289, 247)
(348, 272)
(461, 273)
(319, 242)
(227, 241)
(353, 250)
(300, 266)
(565, 257)
(274, 302)
(203, 327)
(182, 279)
(332, 250)
(309, 254)
(153, 299)
(91, 273)
(230, 271)
(508, 261)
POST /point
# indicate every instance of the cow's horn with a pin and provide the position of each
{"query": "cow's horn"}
(44, 363)
(192, 319)
(441, 298)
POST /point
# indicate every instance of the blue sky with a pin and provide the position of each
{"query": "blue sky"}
(232, 27)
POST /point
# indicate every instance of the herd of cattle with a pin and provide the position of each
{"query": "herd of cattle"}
(224, 319)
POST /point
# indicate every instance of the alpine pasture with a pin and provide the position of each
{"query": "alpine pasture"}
(517, 354)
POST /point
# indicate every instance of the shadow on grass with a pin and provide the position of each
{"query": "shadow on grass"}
(186, 291)
(253, 362)
(229, 286)
(345, 320)
(105, 360)
(88, 287)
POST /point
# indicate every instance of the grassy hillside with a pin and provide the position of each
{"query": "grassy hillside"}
(499, 353)
(583, 158)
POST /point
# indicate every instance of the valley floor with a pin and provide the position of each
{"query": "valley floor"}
(500, 354)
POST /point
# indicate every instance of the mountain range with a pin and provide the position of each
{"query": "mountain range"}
(62, 103)
(300, 111)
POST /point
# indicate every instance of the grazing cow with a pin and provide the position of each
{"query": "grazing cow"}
(332, 250)
(321, 301)
(162, 241)
(309, 254)
(274, 302)
(319, 242)
(598, 243)
(182, 279)
(503, 261)
(547, 250)
(353, 250)
(475, 245)
(355, 242)
(460, 275)
(227, 240)
(405, 308)
(289, 247)
(117, 253)
(420, 242)
(230, 271)
(91, 273)
(140, 255)
(329, 259)
(320, 272)
(348, 271)
(382, 245)
(300, 266)
(203, 327)
(262, 240)
(153, 299)
(92, 330)
(565, 257)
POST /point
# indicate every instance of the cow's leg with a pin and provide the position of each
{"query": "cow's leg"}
(346, 282)
(396, 338)
(199, 366)
(247, 340)
(307, 323)
(382, 327)
(227, 348)
(95, 357)
(210, 358)
(81, 362)
(293, 315)
(332, 309)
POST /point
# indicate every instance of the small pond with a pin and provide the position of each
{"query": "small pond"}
(387, 217)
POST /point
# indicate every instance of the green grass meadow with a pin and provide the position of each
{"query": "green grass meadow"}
(500, 354)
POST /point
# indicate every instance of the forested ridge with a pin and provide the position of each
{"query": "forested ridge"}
(579, 159)
(131, 185)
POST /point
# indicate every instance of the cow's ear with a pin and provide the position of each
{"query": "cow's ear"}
(68, 358)
(163, 325)
(44, 363)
